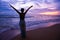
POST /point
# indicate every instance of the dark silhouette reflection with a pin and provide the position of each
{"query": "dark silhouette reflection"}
(23, 28)
(22, 21)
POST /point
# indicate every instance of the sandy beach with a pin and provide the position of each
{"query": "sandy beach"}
(48, 33)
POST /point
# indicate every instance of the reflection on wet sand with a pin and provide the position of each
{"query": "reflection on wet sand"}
(49, 33)
(23, 28)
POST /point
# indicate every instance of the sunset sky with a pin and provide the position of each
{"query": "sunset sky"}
(42, 5)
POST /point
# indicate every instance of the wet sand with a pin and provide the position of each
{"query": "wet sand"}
(48, 33)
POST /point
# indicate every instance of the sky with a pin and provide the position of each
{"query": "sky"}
(5, 9)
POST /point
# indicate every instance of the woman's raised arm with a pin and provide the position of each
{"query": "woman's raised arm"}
(15, 9)
(28, 9)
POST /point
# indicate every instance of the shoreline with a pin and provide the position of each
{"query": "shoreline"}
(29, 28)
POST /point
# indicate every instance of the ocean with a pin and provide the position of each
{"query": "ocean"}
(31, 23)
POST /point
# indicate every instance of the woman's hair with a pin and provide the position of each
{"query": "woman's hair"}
(22, 9)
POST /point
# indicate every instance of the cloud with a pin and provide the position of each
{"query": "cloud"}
(37, 4)
(56, 0)
(5, 9)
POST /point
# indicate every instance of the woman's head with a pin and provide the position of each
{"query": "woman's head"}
(22, 9)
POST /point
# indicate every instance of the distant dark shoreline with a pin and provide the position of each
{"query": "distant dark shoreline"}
(28, 16)
(9, 17)
(16, 17)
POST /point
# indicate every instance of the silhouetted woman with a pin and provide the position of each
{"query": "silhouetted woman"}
(22, 21)
(22, 13)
